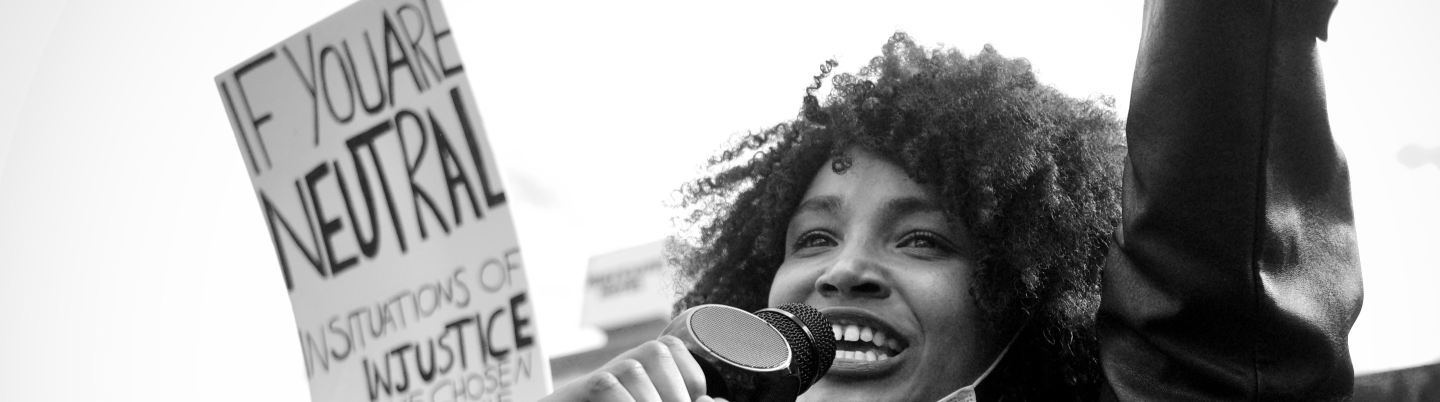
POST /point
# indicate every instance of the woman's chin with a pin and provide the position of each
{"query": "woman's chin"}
(879, 380)
(850, 380)
(874, 391)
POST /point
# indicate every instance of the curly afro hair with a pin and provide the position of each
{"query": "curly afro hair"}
(1032, 173)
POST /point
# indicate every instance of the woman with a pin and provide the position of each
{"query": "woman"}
(940, 200)
(954, 218)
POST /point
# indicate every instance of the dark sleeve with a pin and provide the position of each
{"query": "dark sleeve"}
(1235, 274)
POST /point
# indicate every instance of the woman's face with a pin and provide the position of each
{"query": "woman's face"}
(872, 250)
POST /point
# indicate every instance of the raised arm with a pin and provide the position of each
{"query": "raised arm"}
(1235, 274)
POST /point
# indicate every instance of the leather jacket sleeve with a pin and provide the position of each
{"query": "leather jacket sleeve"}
(1235, 274)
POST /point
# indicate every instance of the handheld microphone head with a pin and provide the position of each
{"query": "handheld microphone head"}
(808, 333)
(774, 354)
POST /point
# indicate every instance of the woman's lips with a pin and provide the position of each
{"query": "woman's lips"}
(864, 345)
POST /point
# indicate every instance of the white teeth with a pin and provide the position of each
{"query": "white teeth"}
(866, 356)
(859, 333)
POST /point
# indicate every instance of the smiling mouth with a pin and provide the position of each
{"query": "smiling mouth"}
(860, 342)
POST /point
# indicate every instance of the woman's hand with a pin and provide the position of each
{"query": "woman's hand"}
(661, 370)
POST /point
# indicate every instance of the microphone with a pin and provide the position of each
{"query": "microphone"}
(773, 355)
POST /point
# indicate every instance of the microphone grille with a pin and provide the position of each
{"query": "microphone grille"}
(732, 334)
(810, 338)
(824, 338)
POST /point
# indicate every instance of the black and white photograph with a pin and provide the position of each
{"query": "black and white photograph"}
(952, 201)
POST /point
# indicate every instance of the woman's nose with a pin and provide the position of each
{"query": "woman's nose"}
(853, 276)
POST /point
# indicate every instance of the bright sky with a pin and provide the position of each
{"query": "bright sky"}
(134, 261)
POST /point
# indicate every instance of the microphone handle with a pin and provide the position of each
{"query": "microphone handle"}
(715, 383)
(744, 387)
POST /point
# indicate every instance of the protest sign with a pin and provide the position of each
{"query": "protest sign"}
(386, 211)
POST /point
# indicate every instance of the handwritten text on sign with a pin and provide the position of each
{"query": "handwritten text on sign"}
(386, 211)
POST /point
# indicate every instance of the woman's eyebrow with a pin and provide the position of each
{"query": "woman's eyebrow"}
(902, 206)
(826, 204)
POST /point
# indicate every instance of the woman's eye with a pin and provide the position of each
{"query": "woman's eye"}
(922, 239)
(814, 239)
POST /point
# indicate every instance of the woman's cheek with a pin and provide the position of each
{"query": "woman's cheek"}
(789, 286)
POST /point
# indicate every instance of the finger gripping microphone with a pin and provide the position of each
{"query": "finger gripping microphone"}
(772, 355)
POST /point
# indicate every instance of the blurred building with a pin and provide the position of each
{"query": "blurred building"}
(1415, 384)
(628, 295)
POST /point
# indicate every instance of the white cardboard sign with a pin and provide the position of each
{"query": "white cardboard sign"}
(386, 211)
